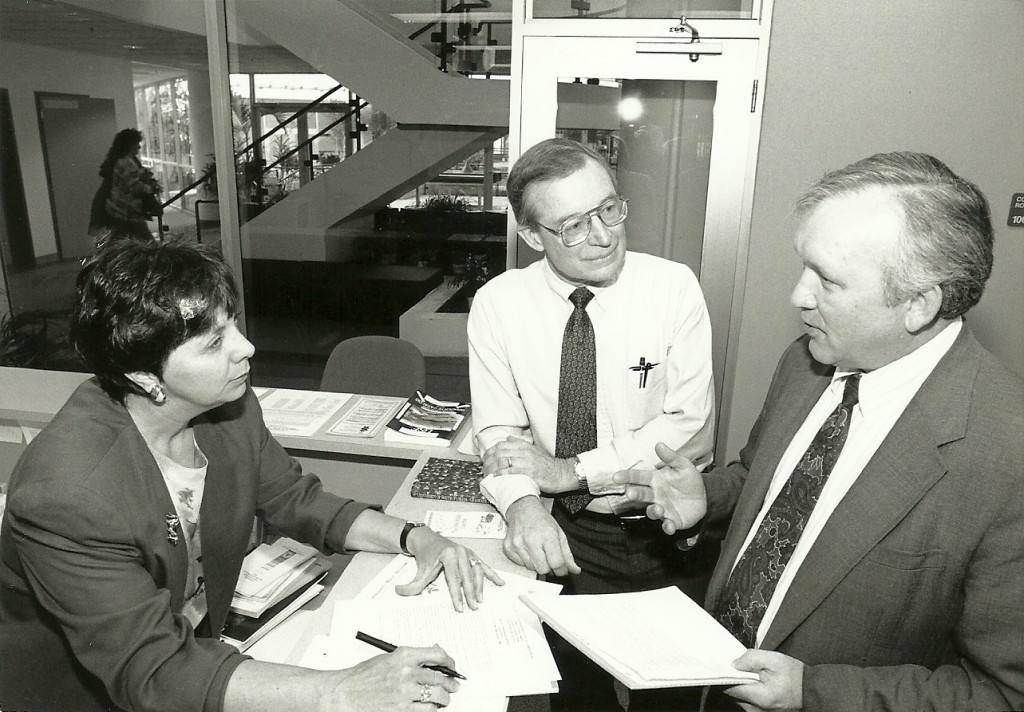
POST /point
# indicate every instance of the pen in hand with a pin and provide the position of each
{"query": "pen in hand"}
(390, 648)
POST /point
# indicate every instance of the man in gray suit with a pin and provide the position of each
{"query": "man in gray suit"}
(874, 557)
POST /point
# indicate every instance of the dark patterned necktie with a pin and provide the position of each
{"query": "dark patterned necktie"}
(576, 427)
(752, 582)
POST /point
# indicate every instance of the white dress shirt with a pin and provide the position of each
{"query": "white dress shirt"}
(883, 396)
(654, 311)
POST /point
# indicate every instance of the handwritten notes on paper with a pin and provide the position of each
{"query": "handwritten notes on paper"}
(500, 647)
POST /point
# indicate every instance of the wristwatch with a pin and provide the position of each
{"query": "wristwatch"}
(581, 475)
(403, 541)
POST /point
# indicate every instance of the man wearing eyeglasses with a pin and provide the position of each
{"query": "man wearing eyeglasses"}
(579, 365)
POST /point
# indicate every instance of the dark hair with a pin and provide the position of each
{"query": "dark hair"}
(947, 240)
(548, 160)
(138, 301)
(124, 143)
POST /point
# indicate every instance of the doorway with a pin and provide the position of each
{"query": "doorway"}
(76, 132)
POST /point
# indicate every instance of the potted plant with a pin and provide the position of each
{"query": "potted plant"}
(472, 274)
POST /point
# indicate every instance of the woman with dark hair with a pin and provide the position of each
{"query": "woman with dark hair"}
(127, 197)
(129, 515)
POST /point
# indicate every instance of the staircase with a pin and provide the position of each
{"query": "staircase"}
(442, 119)
(305, 225)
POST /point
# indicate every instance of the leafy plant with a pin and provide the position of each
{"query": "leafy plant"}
(445, 203)
(473, 273)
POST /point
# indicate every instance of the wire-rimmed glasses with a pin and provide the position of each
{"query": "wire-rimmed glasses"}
(576, 229)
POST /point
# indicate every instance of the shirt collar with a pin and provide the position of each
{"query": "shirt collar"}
(901, 378)
(563, 289)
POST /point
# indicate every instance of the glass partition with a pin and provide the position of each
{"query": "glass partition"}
(656, 135)
(73, 76)
(649, 9)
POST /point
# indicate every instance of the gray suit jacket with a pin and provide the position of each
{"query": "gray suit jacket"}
(910, 599)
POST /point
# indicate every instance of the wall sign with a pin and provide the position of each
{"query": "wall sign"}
(1016, 218)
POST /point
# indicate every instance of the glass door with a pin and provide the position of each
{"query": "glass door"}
(677, 121)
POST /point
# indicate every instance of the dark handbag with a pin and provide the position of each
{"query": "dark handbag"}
(151, 206)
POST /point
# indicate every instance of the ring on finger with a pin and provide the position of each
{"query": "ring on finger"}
(474, 562)
(425, 693)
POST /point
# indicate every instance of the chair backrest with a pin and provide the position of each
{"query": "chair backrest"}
(375, 365)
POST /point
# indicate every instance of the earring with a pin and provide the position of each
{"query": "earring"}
(157, 394)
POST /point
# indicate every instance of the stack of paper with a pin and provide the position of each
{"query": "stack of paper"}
(276, 580)
(659, 638)
(272, 572)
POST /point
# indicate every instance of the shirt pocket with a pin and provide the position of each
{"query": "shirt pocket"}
(645, 385)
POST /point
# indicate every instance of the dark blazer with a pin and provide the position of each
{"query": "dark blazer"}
(91, 587)
(911, 597)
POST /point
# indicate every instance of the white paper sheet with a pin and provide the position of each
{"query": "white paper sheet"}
(299, 413)
(325, 654)
(500, 650)
(366, 416)
(467, 525)
(402, 569)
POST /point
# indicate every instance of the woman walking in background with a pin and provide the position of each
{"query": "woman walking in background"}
(128, 196)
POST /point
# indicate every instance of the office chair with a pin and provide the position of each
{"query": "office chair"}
(375, 365)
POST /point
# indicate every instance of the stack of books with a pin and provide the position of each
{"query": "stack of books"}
(423, 420)
(276, 580)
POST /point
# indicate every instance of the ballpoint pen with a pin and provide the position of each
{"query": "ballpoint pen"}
(390, 648)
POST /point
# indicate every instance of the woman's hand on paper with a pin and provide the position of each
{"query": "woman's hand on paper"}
(535, 540)
(396, 681)
(780, 686)
(674, 494)
(463, 570)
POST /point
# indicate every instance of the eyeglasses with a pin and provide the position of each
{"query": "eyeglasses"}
(576, 229)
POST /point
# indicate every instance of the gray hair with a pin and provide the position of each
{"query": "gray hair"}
(947, 238)
(550, 159)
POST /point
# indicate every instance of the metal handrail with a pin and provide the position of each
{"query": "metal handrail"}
(241, 152)
(317, 135)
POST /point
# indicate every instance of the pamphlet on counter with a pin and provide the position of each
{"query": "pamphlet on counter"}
(424, 420)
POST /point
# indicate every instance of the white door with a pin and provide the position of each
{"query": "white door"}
(677, 122)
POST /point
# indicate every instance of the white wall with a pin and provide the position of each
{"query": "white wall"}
(848, 79)
(25, 70)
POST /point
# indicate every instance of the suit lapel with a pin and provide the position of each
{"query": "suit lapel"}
(223, 521)
(906, 465)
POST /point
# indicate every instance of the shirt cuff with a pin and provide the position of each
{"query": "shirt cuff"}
(599, 470)
(503, 490)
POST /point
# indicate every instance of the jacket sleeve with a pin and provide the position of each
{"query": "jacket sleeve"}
(296, 504)
(83, 563)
